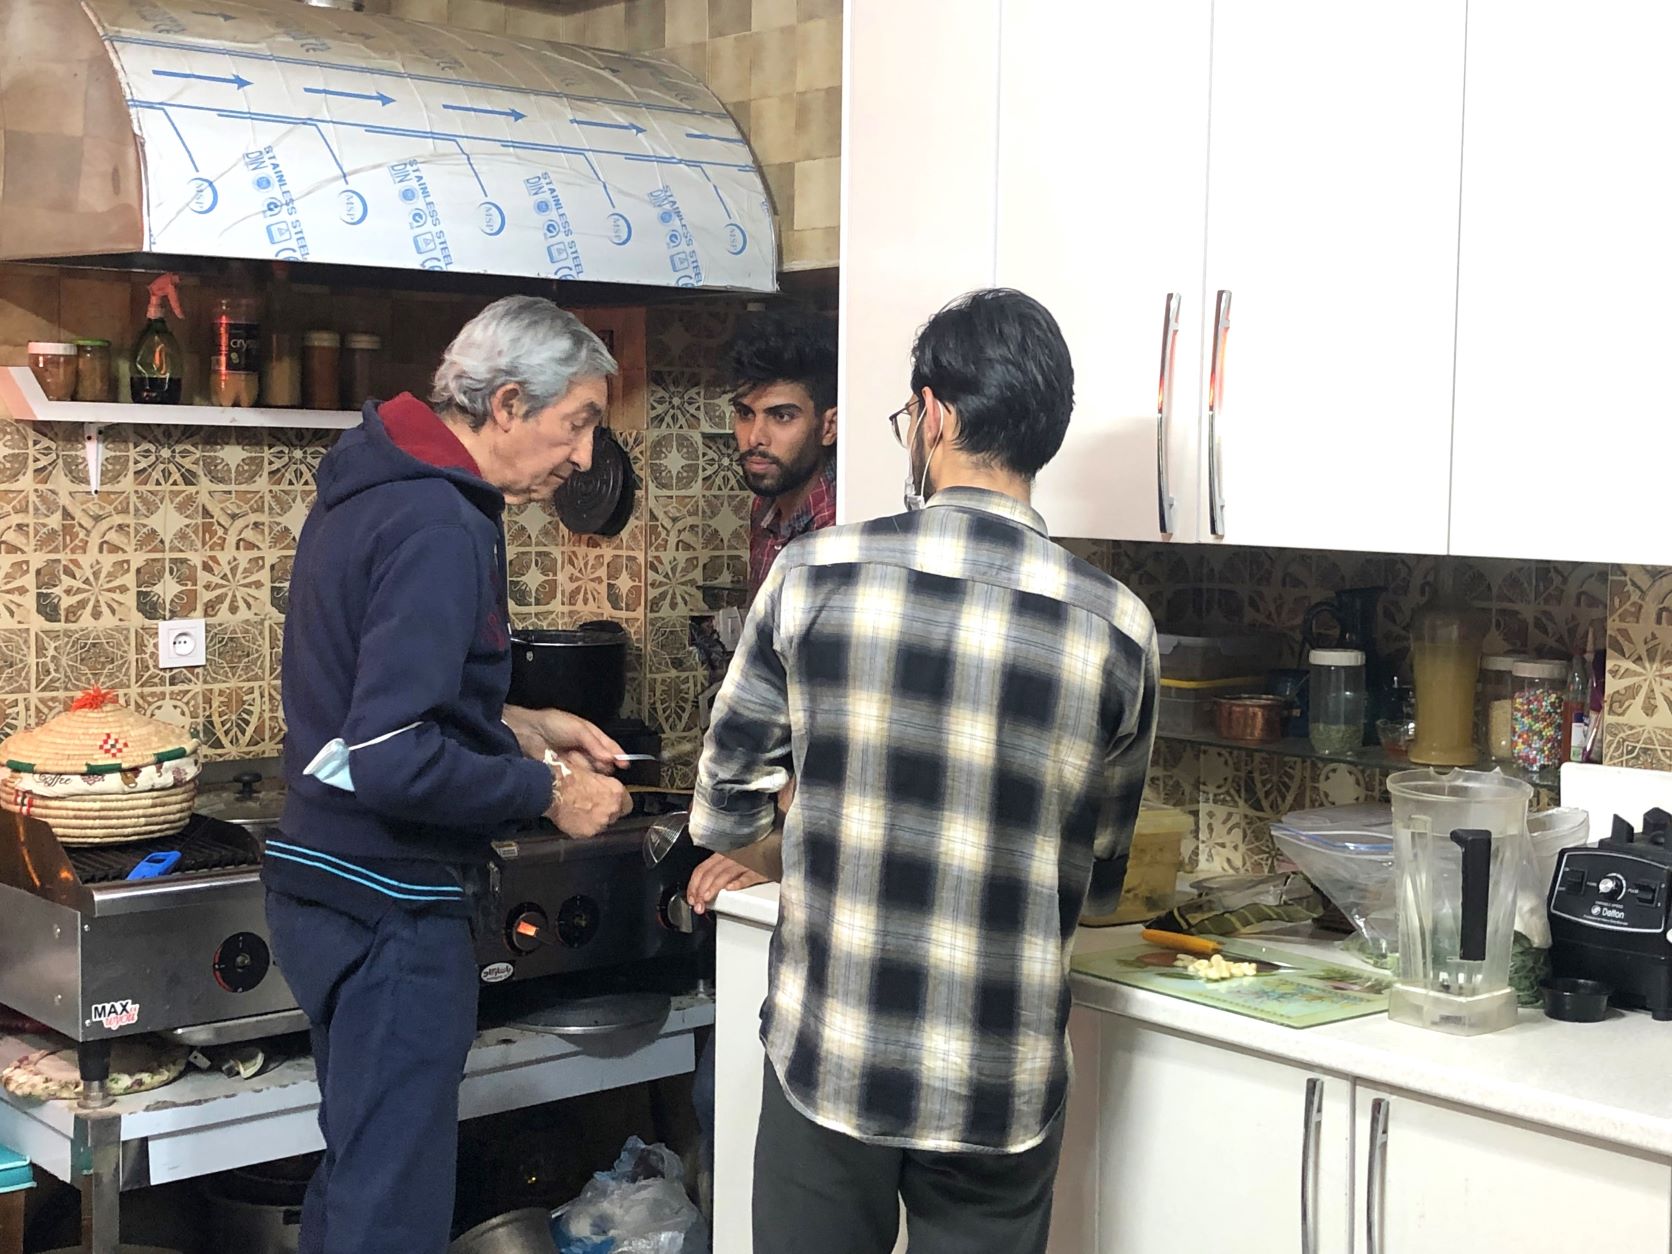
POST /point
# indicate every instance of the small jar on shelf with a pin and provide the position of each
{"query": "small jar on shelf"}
(1538, 707)
(1496, 718)
(1338, 701)
(54, 367)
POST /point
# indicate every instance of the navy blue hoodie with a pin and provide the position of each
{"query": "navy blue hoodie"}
(398, 616)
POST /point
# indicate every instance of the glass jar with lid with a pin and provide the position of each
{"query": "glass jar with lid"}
(53, 365)
(322, 369)
(235, 356)
(93, 379)
(1338, 700)
(1494, 718)
(359, 358)
(1537, 713)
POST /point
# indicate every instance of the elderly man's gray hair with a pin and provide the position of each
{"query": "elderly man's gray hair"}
(525, 340)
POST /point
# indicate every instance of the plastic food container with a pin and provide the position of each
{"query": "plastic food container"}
(54, 367)
(1347, 852)
(1187, 705)
(1218, 657)
(1152, 869)
(1338, 700)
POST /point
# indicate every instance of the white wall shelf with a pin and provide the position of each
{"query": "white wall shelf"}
(21, 393)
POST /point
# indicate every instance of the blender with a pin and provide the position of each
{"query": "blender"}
(1459, 841)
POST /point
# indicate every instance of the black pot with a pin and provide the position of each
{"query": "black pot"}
(582, 671)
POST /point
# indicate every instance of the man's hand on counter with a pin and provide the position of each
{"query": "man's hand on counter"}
(590, 801)
(540, 730)
(742, 868)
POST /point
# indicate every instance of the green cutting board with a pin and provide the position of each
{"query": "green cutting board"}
(1303, 993)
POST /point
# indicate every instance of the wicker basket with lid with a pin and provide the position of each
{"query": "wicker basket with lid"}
(95, 736)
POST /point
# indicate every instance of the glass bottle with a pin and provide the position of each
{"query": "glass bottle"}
(1446, 638)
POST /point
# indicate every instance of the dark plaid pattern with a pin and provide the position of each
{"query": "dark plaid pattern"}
(968, 711)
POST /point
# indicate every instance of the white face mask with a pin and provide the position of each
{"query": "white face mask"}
(330, 765)
(913, 495)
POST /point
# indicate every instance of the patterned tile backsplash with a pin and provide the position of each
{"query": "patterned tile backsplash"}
(1536, 607)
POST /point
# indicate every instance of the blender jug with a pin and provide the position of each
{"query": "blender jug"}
(1459, 841)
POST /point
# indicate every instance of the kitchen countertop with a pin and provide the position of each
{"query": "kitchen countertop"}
(1603, 1081)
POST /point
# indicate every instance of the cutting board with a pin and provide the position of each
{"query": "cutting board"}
(1304, 993)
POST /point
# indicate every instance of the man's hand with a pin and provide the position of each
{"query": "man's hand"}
(590, 801)
(714, 875)
(759, 863)
(540, 730)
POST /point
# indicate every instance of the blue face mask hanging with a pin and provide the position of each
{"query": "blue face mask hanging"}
(330, 764)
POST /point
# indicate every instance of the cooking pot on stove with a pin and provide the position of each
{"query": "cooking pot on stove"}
(582, 670)
(252, 801)
(517, 1232)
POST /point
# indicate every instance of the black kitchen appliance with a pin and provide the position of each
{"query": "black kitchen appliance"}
(1611, 914)
(582, 670)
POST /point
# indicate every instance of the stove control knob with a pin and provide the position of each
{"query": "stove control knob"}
(577, 921)
(1611, 887)
(241, 962)
(528, 930)
(675, 913)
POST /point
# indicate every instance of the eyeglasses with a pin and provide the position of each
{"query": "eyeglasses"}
(904, 411)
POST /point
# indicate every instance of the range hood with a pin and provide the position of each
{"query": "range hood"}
(282, 131)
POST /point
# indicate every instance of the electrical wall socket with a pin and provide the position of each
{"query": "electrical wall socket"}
(180, 642)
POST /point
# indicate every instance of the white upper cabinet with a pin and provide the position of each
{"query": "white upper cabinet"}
(1332, 229)
(1563, 428)
(1102, 197)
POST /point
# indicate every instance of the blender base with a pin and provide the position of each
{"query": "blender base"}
(1447, 1012)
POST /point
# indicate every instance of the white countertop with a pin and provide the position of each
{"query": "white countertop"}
(1605, 1081)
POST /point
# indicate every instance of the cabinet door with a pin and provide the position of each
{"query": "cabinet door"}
(1102, 198)
(920, 150)
(1231, 1149)
(1435, 1178)
(1332, 222)
(1564, 430)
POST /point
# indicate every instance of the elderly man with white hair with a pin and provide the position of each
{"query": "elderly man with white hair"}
(403, 761)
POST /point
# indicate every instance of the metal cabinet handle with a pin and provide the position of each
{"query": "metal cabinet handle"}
(1313, 1120)
(1376, 1178)
(1164, 411)
(1216, 397)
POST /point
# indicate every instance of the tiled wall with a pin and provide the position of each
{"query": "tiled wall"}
(1536, 607)
(775, 64)
(202, 522)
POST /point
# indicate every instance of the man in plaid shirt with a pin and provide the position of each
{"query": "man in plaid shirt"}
(968, 711)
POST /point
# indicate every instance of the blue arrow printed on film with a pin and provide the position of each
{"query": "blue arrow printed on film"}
(234, 80)
(516, 115)
(719, 139)
(634, 127)
(381, 98)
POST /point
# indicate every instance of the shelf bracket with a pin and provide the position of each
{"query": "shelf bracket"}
(92, 447)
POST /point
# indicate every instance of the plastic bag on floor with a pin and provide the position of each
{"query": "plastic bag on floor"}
(637, 1207)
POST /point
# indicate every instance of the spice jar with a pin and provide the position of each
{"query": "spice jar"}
(54, 366)
(321, 369)
(1537, 710)
(359, 356)
(1495, 719)
(281, 371)
(235, 354)
(93, 380)
(1338, 700)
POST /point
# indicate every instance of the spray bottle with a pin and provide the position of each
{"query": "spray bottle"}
(157, 373)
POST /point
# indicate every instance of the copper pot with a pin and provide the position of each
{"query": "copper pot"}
(1254, 720)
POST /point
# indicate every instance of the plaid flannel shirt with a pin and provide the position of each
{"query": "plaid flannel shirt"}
(968, 711)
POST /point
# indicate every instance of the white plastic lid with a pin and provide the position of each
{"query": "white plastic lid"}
(1336, 657)
(1540, 670)
(50, 348)
(322, 339)
(1501, 661)
(356, 340)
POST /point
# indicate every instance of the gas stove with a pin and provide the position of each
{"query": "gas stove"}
(96, 955)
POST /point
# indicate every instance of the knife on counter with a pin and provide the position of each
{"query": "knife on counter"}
(1207, 947)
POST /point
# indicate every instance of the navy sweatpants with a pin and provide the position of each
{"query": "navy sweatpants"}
(392, 1007)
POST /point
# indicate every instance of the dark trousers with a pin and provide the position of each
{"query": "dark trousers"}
(821, 1192)
(392, 1007)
